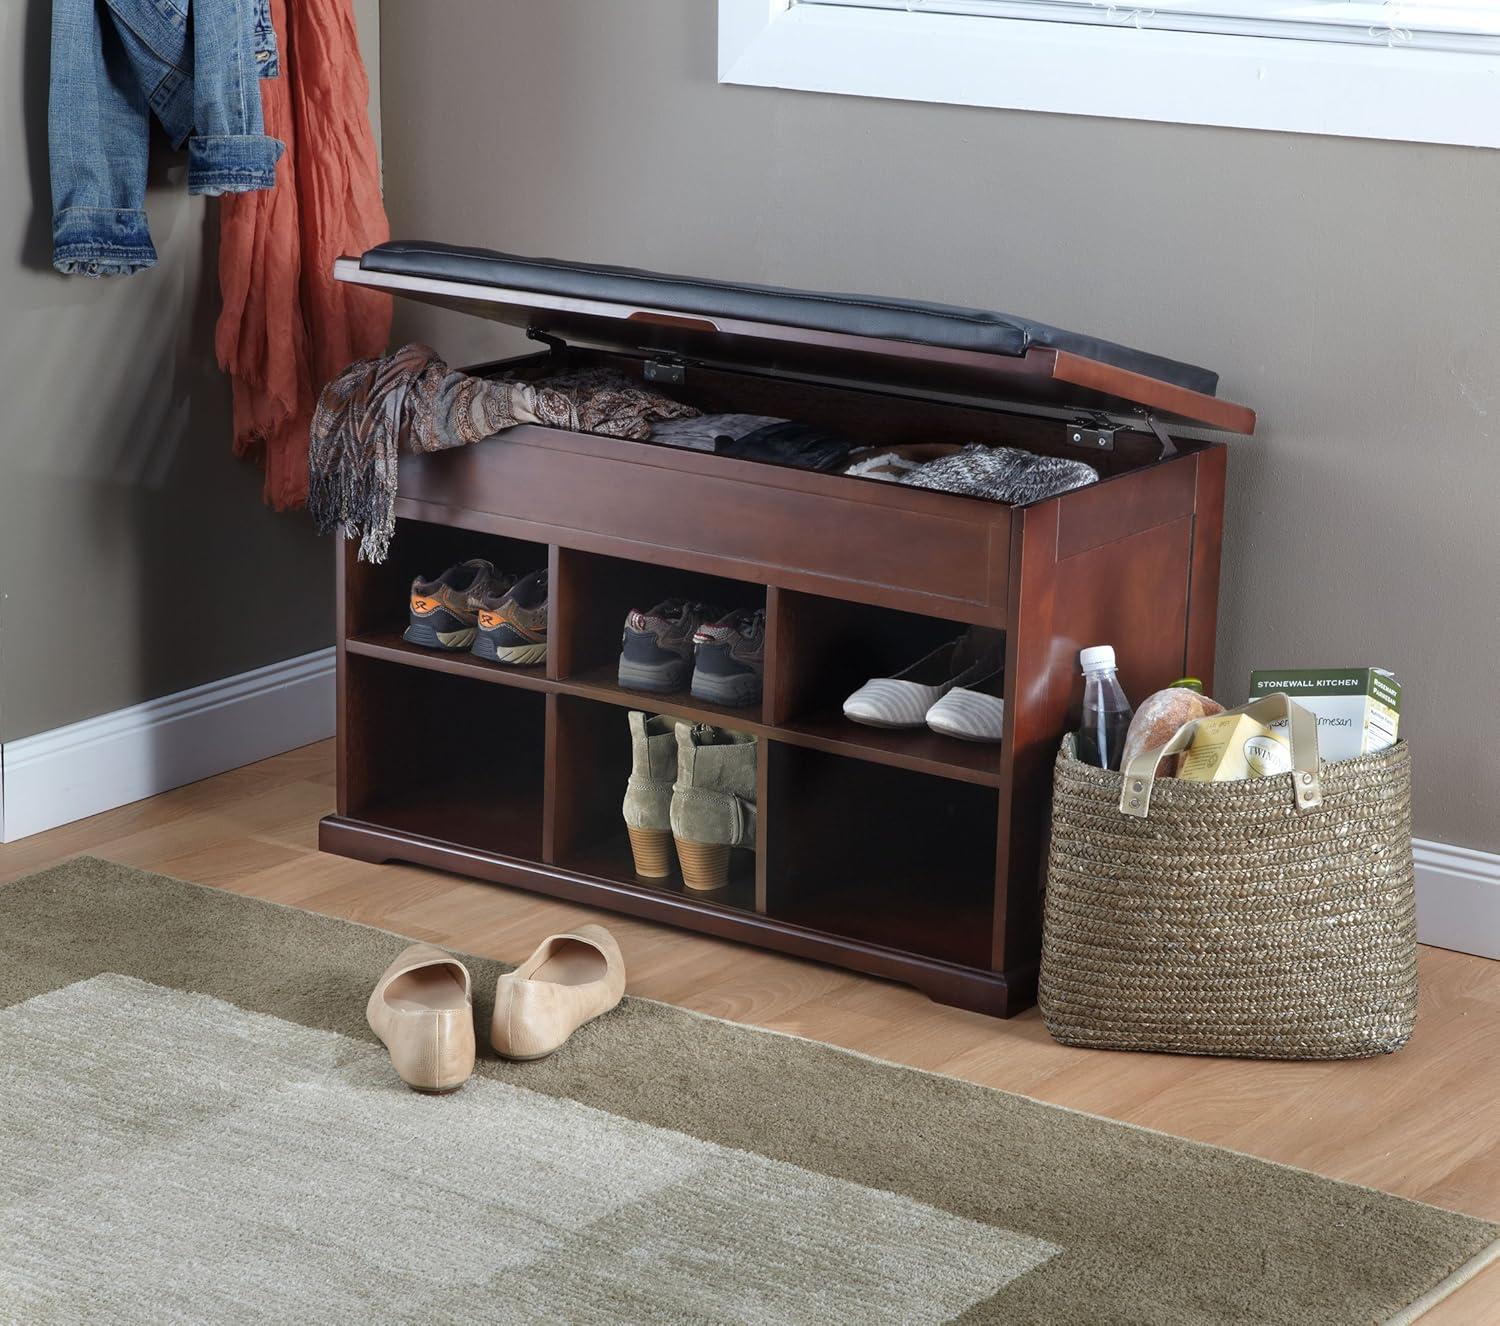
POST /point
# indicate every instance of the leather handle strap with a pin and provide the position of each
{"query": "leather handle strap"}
(1302, 725)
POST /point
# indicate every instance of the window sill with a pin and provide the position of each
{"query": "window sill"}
(1116, 72)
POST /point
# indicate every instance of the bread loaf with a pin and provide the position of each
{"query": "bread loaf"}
(1157, 720)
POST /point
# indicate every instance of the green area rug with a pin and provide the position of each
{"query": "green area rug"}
(197, 1126)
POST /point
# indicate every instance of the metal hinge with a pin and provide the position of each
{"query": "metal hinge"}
(554, 343)
(1096, 432)
(1168, 447)
(669, 370)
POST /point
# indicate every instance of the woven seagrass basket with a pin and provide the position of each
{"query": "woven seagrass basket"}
(1273, 918)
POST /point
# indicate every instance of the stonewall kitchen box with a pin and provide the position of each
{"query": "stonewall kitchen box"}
(1358, 709)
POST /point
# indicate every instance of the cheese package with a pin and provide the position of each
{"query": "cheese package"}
(1358, 709)
(1227, 747)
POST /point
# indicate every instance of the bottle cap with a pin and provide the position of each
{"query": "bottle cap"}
(1096, 657)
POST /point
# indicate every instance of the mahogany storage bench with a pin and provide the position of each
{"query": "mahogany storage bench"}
(904, 854)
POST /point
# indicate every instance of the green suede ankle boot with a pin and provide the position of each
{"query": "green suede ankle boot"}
(648, 794)
(713, 801)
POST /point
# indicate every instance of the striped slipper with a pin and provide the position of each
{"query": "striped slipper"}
(903, 700)
(972, 712)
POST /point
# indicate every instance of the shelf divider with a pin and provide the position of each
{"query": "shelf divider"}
(550, 781)
(562, 603)
(775, 700)
(762, 821)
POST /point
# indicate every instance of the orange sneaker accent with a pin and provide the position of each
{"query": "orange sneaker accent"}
(512, 615)
(423, 606)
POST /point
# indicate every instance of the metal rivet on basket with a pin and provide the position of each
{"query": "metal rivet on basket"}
(1307, 778)
(1135, 801)
(1137, 787)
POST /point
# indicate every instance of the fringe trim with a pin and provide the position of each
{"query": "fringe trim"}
(354, 502)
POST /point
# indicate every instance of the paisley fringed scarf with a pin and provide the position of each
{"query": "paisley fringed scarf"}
(411, 401)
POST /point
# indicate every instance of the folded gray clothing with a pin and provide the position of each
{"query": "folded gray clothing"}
(706, 431)
(1002, 474)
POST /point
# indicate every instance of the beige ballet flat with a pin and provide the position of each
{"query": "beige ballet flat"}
(421, 1009)
(569, 980)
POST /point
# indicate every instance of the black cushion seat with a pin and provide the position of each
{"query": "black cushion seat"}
(856, 315)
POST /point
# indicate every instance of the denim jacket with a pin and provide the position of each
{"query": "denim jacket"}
(114, 64)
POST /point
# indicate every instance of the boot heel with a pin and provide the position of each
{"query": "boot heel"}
(705, 866)
(652, 850)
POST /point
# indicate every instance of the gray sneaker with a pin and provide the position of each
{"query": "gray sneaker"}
(731, 658)
(656, 653)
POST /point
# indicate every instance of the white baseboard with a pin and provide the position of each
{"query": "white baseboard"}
(1458, 898)
(79, 770)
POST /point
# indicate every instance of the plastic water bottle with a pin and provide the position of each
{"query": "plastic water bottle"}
(1106, 711)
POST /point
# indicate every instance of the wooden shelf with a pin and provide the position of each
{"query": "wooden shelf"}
(924, 919)
(915, 748)
(601, 684)
(389, 646)
(919, 749)
(998, 993)
(507, 825)
(610, 859)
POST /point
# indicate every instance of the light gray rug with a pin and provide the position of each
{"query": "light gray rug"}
(150, 1131)
(196, 1127)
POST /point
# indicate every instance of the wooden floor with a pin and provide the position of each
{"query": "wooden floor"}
(1424, 1123)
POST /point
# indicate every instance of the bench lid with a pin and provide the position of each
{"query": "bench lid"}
(851, 338)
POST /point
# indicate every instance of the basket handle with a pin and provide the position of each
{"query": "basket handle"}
(1302, 723)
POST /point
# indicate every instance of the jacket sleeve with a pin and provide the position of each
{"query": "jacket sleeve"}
(228, 151)
(98, 122)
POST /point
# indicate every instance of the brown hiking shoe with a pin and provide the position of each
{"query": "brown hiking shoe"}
(441, 614)
(512, 627)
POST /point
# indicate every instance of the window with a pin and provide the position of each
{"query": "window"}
(1419, 70)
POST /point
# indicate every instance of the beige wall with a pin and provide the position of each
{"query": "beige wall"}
(1348, 290)
(136, 558)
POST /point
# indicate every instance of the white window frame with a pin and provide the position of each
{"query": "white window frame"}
(1121, 72)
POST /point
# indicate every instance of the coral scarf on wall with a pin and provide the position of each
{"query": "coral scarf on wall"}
(287, 327)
